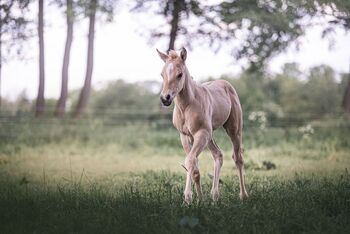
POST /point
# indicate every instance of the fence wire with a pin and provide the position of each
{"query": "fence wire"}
(122, 117)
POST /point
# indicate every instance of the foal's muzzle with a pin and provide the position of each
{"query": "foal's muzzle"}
(166, 100)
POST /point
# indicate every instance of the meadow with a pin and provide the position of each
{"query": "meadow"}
(95, 176)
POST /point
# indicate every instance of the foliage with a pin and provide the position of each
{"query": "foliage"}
(13, 26)
(256, 30)
(121, 97)
(289, 97)
(260, 28)
(339, 10)
(105, 9)
(322, 89)
(177, 16)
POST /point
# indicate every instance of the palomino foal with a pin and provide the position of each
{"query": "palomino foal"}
(199, 110)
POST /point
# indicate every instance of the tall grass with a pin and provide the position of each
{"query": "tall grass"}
(151, 202)
(35, 132)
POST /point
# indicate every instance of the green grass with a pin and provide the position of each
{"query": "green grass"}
(59, 176)
(151, 202)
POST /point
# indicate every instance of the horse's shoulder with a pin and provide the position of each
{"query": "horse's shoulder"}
(179, 121)
(176, 115)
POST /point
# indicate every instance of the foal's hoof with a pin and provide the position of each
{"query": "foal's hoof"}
(215, 196)
(188, 199)
(243, 196)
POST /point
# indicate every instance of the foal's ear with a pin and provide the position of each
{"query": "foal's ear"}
(183, 54)
(163, 56)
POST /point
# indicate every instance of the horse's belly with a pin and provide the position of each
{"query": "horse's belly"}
(220, 102)
(219, 121)
(221, 112)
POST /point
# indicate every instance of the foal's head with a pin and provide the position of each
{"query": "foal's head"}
(173, 74)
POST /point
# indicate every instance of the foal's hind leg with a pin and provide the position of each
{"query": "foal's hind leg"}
(217, 156)
(233, 127)
(238, 158)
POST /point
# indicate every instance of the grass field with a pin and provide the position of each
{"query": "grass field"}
(90, 177)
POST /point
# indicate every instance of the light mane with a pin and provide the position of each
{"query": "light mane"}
(173, 55)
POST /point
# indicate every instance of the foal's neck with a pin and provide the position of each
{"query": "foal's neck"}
(188, 93)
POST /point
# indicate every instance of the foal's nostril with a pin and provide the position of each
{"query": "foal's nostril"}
(166, 99)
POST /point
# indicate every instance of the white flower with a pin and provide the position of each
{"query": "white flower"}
(258, 117)
(306, 130)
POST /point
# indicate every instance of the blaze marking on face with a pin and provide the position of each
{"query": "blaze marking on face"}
(169, 69)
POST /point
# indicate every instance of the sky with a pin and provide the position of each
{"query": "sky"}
(122, 53)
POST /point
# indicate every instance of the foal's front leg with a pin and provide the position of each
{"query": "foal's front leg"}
(185, 143)
(200, 140)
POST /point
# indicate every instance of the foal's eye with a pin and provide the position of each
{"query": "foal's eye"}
(179, 75)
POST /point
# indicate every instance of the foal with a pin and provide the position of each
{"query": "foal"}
(199, 110)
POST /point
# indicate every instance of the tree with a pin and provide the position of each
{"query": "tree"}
(346, 97)
(292, 70)
(121, 97)
(338, 14)
(174, 11)
(13, 29)
(92, 6)
(259, 29)
(85, 92)
(61, 103)
(340, 11)
(40, 101)
(266, 28)
(322, 91)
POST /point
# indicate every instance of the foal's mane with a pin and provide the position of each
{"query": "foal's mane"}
(173, 55)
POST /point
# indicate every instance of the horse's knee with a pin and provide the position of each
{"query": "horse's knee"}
(191, 163)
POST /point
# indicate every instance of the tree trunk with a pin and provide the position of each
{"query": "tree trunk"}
(174, 25)
(40, 101)
(61, 103)
(85, 92)
(0, 62)
(346, 99)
